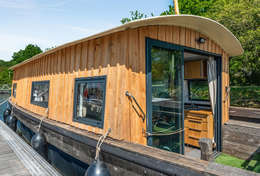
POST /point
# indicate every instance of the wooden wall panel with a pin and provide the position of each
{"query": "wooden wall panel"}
(225, 85)
(120, 56)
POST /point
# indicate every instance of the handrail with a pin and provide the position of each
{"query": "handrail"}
(129, 95)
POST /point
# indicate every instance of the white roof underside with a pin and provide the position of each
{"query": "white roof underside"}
(212, 29)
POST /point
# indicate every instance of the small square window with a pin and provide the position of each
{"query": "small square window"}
(14, 90)
(198, 90)
(40, 93)
(89, 100)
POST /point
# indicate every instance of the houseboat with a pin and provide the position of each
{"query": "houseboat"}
(160, 83)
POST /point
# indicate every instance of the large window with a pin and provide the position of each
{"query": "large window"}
(40, 93)
(14, 89)
(198, 90)
(165, 120)
(89, 103)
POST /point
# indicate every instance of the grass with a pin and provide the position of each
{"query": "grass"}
(251, 165)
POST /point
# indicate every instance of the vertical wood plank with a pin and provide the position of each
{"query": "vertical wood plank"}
(162, 33)
(176, 34)
(153, 32)
(142, 77)
(133, 55)
(107, 62)
(182, 36)
(187, 37)
(193, 39)
(169, 36)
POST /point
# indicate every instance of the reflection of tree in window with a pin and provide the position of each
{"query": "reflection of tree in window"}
(164, 71)
(92, 95)
(198, 90)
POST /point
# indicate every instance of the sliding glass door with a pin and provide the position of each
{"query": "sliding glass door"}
(164, 69)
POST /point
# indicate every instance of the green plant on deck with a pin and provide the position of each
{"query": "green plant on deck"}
(251, 165)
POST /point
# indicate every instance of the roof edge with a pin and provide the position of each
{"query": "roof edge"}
(175, 20)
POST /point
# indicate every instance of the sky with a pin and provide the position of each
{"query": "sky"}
(49, 23)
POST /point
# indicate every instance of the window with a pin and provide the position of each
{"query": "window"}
(40, 93)
(198, 90)
(89, 100)
(14, 90)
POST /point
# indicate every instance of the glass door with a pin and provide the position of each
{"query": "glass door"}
(165, 96)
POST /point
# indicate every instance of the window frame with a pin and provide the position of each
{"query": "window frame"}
(190, 99)
(14, 87)
(41, 104)
(88, 121)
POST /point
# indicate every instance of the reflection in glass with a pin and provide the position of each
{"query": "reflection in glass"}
(198, 90)
(166, 98)
(40, 93)
(90, 99)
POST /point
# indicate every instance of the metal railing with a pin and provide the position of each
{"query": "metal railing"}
(131, 97)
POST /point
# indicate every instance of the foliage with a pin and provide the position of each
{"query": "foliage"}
(47, 49)
(23, 54)
(170, 11)
(245, 96)
(252, 165)
(193, 7)
(5, 76)
(18, 57)
(242, 18)
(134, 15)
(199, 89)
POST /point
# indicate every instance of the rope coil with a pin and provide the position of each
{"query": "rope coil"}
(100, 142)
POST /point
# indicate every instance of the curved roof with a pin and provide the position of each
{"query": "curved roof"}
(214, 30)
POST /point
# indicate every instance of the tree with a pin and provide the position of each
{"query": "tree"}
(18, 57)
(241, 17)
(192, 7)
(47, 49)
(29, 51)
(134, 15)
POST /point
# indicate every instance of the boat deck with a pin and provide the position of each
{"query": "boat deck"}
(9, 162)
(19, 158)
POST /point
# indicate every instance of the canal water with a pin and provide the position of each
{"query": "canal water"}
(64, 163)
(4, 96)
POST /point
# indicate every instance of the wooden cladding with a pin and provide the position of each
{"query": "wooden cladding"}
(121, 57)
(195, 69)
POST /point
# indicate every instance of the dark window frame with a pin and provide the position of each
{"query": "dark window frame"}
(88, 121)
(218, 116)
(14, 88)
(195, 99)
(41, 104)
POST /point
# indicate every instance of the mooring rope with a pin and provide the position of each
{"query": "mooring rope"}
(40, 124)
(100, 142)
(12, 109)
